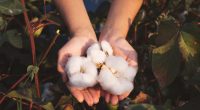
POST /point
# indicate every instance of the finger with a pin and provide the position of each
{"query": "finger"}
(114, 99)
(95, 92)
(76, 93)
(60, 68)
(88, 98)
(132, 59)
(123, 96)
(107, 97)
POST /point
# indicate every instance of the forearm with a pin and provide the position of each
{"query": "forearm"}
(120, 17)
(75, 15)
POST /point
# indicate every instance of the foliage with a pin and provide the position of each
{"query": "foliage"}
(165, 34)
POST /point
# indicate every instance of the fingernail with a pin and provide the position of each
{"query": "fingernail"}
(96, 101)
(80, 100)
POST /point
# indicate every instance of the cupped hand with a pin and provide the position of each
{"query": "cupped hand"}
(77, 46)
(122, 48)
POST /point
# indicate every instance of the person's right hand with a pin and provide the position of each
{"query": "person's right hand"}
(77, 46)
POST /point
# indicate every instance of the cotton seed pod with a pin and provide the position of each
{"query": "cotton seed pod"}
(82, 73)
(116, 76)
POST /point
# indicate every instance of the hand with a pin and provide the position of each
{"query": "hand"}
(120, 48)
(77, 46)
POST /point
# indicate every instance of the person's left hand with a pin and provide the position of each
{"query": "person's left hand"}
(122, 48)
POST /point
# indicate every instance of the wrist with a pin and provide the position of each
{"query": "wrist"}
(84, 32)
(111, 35)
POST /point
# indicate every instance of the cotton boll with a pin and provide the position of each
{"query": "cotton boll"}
(121, 87)
(73, 65)
(75, 80)
(94, 46)
(97, 56)
(106, 79)
(82, 73)
(130, 73)
(117, 63)
(90, 68)
(90, 80)
(116, 76)
(106, 47)
(82, 80)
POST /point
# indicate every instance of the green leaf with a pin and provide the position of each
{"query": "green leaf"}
(16, 94)
(189, 44)
(11, 7)
(48, 106)
(166, 30)
(32, 70)
(14, 38)
(2, 39)
(188, 3)
(141, 107)
(64, 100)
(189, 41)
(3, 23)
(166, 62)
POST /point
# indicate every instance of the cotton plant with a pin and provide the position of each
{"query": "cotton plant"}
(100, 66)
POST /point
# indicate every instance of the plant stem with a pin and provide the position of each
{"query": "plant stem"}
(30, 30)
(48, 49)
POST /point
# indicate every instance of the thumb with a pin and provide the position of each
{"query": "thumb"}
(62, 60)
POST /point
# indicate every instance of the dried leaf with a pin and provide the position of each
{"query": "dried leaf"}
(141, 98)
(48, 106)
(68, 107)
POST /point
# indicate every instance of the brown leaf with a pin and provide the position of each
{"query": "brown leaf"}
(68, 107)
(141, 98)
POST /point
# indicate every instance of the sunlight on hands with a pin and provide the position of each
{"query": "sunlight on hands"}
(77, 46)
(121, 48)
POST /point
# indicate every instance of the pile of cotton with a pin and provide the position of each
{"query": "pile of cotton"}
(100, 66)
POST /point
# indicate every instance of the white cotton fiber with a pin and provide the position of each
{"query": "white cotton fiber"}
(121, 87)
(73, 65)
(97, 56)
(106, 47)
(106, 78)
(115, 75)
(82, 73)
(130, 73)
(116, 62)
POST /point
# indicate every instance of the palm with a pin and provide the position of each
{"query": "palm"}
(77, 46)
(122, 48)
